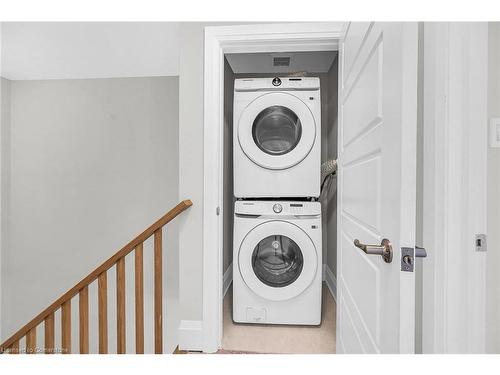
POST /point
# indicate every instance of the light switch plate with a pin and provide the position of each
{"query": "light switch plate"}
(495, 132)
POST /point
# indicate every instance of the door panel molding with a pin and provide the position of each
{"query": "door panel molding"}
(354, 313)
(377, 192)
(366, 26)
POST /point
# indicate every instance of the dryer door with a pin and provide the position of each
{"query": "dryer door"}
(277, 260)
(276, 130)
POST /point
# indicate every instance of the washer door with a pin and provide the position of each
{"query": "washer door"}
(276, 130)
(277, 260)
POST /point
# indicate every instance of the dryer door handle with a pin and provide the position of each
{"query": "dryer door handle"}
(384, 249)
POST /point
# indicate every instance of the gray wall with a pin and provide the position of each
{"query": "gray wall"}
(93, 163)
(191, 169)
(4, 168)
(493, 214)
(331, 137)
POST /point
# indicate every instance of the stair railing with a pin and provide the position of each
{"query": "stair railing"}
(47, 316)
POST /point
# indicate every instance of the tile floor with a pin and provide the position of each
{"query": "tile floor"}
(281, 339)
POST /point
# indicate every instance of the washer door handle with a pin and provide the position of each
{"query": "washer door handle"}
(384, 249)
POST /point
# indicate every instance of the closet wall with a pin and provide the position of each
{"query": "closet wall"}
(330, 138)
(329, 98)
(227, 244)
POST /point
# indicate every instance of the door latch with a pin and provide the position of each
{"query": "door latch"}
(408, 255)
(480, 242)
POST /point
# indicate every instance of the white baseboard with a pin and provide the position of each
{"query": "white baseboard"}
(227, 279)
(191, 335)
(331, 281)
(191, 331)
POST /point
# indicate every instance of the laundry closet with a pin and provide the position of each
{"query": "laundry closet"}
(279, 232)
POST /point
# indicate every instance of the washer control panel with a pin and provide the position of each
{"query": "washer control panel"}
(277, 208)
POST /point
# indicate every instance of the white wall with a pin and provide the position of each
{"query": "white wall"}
(93, 163)
(68, 50)
(191, 169)
(493, 255)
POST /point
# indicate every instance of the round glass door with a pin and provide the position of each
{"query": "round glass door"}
(277, 261)
(276, 130)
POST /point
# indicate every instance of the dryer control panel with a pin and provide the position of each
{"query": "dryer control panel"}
(276, 83)
(277, 208)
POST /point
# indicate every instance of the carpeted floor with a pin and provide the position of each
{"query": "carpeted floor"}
(248, 338)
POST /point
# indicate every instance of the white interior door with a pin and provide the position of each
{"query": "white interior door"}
(377, 184)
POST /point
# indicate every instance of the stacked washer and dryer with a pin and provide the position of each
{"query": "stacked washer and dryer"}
(277, 255)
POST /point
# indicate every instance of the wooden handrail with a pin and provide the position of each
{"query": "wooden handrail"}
(28, 329)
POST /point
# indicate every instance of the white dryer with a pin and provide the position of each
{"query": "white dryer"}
(277, 262)
(277, 137)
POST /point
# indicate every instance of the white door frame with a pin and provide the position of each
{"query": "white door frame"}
(218, 41)
(455, 121)
(455, 177)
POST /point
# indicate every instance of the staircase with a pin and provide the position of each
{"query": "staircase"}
(47, 316)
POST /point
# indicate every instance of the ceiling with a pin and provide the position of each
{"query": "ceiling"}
(76, 50)
(315, 61)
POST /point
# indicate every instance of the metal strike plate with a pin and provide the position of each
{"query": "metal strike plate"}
(407, 259)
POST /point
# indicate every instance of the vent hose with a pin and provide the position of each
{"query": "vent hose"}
(328, 172)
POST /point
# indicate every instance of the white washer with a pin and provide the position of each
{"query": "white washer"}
(277, 262)
(277, 137)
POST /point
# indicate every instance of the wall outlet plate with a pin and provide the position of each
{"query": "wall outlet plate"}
(495, 132)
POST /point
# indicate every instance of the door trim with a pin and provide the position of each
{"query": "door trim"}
(454, 190)
(319, 36)
(408, 173)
